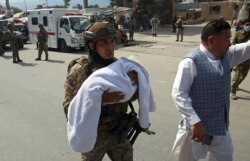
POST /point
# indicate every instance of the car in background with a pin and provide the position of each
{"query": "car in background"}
(21, 27)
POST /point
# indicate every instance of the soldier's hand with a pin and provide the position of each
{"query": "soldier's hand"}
(108, 97)
(133, 77)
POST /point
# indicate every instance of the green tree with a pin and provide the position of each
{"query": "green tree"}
(145, 3)
(93, 6)
(66, 3)
(117, 3)
(79, 6)
(16, 10)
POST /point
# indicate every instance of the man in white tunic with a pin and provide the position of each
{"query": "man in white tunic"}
(201, 93)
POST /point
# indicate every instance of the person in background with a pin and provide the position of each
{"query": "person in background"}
(173, 23)
(154, 23)
(180, 29)
(201, 92)
(100, 39)
(241, 70)
(131, 27)
(14, 45)
(42, 37)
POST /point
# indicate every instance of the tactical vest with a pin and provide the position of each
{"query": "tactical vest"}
(110, 114)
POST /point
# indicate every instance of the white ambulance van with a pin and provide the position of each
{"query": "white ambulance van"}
(65, 27)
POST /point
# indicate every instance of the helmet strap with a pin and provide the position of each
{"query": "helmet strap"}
(95, 57)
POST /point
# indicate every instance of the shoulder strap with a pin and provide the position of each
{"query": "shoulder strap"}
(80, 60)
(131, 107)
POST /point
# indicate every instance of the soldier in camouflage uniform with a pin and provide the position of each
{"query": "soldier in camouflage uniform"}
(101, 42)
(42, 37)
(1, 42)
(241, 70)
(14, 45)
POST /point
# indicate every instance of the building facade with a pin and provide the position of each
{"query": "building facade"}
(208, 9)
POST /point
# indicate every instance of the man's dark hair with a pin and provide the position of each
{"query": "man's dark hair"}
(214, 28)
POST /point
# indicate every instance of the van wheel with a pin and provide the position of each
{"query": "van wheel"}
(82, 48)
(63, 46)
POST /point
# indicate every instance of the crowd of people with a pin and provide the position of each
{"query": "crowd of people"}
(42, 37)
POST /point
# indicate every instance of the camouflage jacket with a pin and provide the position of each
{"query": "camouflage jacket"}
(240, 37)
(42, 36)
(76, 75)
(13, 40)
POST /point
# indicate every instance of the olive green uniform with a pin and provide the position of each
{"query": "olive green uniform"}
(42, 38)
(1, 42)
(107, 141)
(241, 70)
(180, 29)
(14, 46)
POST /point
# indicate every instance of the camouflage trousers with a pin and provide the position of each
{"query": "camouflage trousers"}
(240, 73)
(110, 145)
(154, 30)
(43, 47)
(15, 54)
(1, 50)
(179, 32)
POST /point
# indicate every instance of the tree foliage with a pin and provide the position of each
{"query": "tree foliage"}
(66, 3)
(79, 6)
(121, 3)
(117, 3)
(93, 6)
(16, 10)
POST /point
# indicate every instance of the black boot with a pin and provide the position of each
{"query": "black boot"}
(37, 59)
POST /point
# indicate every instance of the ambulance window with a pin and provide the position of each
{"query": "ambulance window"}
(64, 23)
(34, 20)
(45, 21)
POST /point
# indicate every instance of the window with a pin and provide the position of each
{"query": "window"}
(214, 10)
(45, 21)
(34, 21)
(64, 23)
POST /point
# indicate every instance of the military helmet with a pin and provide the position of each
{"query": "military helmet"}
(100, 30)
(40, 25)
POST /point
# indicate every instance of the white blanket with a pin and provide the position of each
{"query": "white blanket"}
(85, 108)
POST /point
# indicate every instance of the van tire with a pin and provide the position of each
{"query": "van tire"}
(63, 46)
(82, 48)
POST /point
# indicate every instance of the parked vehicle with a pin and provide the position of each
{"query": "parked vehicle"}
(65, 27)
(6, 39)
(21, 27)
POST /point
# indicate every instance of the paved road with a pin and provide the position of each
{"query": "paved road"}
(33, 126)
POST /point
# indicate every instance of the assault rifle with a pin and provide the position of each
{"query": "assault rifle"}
(136, 129)
(128, 127)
